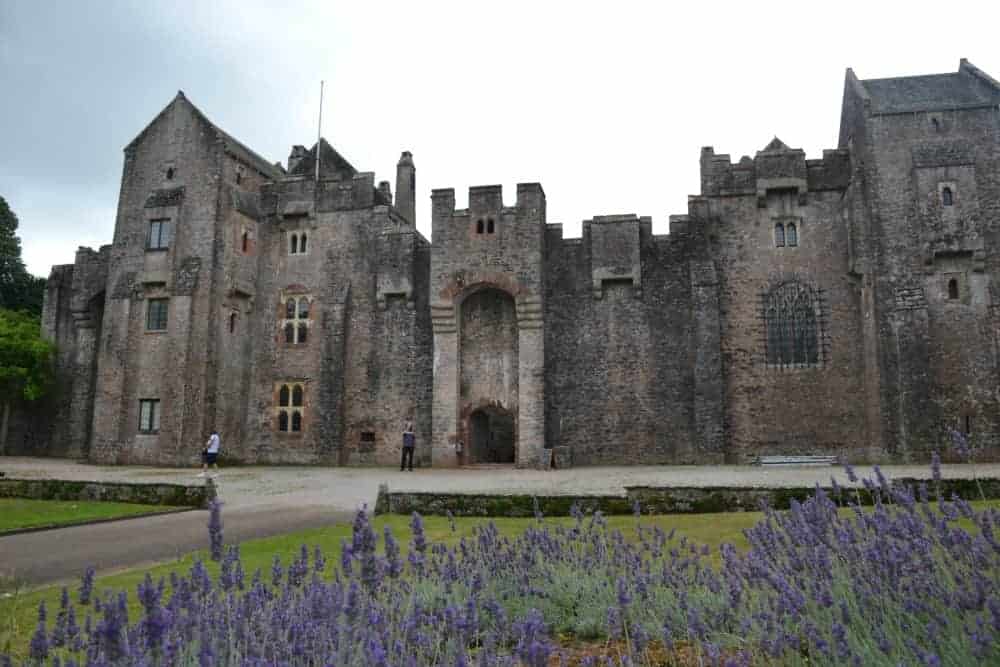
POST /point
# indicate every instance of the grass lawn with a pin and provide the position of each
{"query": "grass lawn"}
(18, 608)
(18, 513)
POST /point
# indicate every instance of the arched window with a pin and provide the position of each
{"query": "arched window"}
(792, 235)
(232, 322)
(792, 325)
(239, 177)
(296, 322)
(947, 199)
(779, 235)
(953, 289)
(479, 226)
(937, 124)
(302, 244)
(294, 245)
(489, 226)
(170, 173)
(246, 241)
(290, 408)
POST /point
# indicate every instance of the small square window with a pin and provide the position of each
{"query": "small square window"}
(159, 235)
(156, 314)
(149, 415)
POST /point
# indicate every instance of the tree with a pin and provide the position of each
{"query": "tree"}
(26, 372)
(19, 290)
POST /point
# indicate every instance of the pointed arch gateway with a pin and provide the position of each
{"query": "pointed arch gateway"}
(489, 369)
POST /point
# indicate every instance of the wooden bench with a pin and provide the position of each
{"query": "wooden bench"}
(803, 460)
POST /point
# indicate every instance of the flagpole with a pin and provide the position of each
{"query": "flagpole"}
(319, 129)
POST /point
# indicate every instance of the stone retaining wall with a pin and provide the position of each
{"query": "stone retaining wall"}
(652, 500)
(174, 495)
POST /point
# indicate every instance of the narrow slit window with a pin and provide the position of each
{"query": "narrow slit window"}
(947, 198)
(232, 322)
(479, 226)
(779, 235)
(245, 242)
(296, 421)
(302, 244)
(283, 396)
(489, 226)
(149, 415)
(968, 425)
(294, 245)
(283, 421)
(953, 289)
(297, 396)
(170, 173)
(792, 234)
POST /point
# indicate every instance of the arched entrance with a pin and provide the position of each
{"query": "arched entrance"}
(491, 436)
(488, 350)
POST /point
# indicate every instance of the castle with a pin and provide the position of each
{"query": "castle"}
(843, 305)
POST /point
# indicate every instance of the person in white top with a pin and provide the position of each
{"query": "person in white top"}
(210, 455)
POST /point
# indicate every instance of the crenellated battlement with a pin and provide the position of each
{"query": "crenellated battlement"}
(775, 167)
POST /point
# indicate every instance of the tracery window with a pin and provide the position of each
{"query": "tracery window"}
(296, 322)
(779, 235)
(291, 403)
(792, 324)
(792, 235)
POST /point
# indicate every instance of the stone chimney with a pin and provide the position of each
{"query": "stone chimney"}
(386, 191)
(406, 186)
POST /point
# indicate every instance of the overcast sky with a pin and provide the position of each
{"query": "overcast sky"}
(606, 104)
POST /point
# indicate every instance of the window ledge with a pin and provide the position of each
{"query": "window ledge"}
(148, 433)
(157, 249)
(155, 331)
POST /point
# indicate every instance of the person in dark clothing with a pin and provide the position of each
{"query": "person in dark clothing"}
(409, 444)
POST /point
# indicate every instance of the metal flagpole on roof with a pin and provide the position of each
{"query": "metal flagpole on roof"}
(319, 129)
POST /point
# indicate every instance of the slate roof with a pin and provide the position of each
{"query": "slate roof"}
(927, 93)
(233, 145)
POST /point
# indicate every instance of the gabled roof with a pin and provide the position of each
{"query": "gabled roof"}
(332, 164)
(966, 88)
(776, 145)
(232, 145)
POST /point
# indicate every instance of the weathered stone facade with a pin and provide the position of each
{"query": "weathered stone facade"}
(842, 305)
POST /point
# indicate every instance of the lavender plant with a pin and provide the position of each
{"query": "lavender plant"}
(905, 582)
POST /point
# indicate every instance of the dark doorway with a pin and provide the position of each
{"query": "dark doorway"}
(492, 436)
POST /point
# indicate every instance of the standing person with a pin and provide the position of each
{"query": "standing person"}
(210, 455)
(409, 444)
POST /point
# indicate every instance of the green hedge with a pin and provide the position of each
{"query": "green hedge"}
(173, 495)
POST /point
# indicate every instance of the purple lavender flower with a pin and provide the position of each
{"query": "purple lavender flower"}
(39, 647)
(86, 586)
(215, 529)
(849, 470)
(960, 443)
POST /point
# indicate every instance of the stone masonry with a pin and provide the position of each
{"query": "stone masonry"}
(842, 305)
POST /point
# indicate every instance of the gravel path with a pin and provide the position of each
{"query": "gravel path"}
(262, 501)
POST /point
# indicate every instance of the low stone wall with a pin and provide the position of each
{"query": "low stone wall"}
(171, 495)
(652, 500)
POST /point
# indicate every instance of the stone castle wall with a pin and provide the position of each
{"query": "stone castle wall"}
(800, 306)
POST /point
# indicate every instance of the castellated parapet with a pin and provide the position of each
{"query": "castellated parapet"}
(842, 305)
